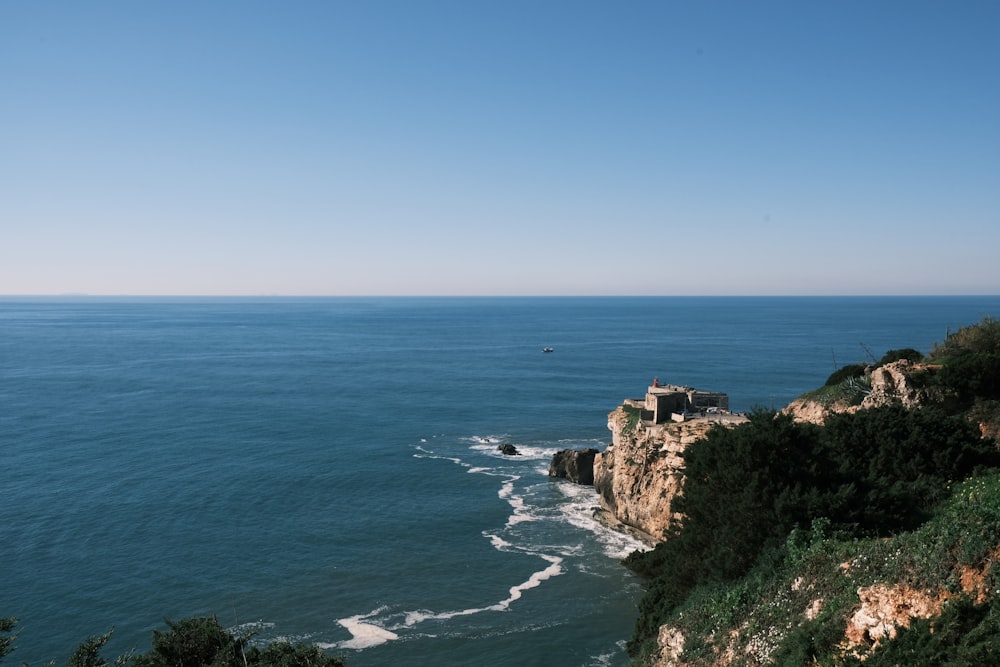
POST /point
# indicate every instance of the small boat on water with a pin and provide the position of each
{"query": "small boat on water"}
(546, 349)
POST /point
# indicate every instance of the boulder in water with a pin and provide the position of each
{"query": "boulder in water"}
(576, 465)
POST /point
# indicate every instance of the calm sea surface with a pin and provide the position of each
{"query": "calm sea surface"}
(326, 469)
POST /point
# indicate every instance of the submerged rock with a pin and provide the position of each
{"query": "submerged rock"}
(576, 465)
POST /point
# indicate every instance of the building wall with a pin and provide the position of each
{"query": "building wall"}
(663, 401)
(705, 399)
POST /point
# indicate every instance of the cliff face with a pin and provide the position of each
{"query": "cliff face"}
(640, 473)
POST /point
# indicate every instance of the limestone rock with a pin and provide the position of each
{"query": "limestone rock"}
(576, 465)
(671, 643)
(884, 609)
(894, 383)
(808, 410)
(890, 384)
(640, 474)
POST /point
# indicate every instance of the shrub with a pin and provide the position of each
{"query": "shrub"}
(847, 372)
(972, 375)
(907, 353)
(983, 337)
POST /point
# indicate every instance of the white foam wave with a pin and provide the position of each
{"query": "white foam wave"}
(506, 491)
(533, 453)
(381, 626)
(536, 579)
(427, 454)
(483, 440)
(364, 635)
(366, 632)
(579, 512)
(517, 518)
(498, 542)
(582, 500)
(249, 628)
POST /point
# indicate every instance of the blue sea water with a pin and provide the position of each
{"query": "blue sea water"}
(326, 470)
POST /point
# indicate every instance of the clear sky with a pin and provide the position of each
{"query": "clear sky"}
(500, 147)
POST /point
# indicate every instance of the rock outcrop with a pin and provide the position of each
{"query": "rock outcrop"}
(576, 465)
(893, 383)
(641, 472)
(883, 609)
(805, 409)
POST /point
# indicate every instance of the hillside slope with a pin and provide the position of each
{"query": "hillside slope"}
(861, 523)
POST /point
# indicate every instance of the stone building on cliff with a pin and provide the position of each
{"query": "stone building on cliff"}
(670, 402)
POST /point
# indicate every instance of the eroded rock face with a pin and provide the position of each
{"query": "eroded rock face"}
(671, 643)
(640, 474)
(891, 384)
(576, 465)
(807, 410)
(884, 609)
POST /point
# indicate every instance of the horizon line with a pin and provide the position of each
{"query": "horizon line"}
(86, 295)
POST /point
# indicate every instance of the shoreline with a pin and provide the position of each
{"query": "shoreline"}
(607, 519)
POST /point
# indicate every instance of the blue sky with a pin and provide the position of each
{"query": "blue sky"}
(507, 148)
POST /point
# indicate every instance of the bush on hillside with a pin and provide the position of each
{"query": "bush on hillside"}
(970, 363)
(982, 337)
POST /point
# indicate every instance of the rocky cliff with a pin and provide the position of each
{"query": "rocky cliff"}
(640, 473)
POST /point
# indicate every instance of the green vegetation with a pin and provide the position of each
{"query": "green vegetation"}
(970, 363)
(194, 642)
(845, 373)
(907, 353)
(846, 386)
(783, 516)
(632, 417)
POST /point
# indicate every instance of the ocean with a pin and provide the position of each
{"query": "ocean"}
(326, 470)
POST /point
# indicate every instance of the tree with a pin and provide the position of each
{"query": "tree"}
(192, 642)
(7, 643)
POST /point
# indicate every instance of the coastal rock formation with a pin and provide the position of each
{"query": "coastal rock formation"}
(641, 471)
(508, 449)
(576, 465)
(893, 383)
